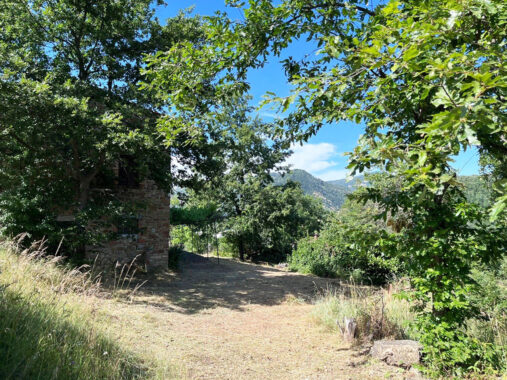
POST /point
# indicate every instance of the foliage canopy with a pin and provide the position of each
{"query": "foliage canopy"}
(427, 78)
(71, 110)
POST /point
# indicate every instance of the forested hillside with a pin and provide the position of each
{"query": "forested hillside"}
(351, 185)
(332, 195)
(477, 189)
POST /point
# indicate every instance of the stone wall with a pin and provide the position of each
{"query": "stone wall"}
(151, 243)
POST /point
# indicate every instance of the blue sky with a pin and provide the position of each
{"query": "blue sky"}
(323, 155)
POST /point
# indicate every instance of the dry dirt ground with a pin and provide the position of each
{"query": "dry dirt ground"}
(233, 320)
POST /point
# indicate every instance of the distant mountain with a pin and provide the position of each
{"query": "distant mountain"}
(477, 189)
(332, 195)
(351, 185)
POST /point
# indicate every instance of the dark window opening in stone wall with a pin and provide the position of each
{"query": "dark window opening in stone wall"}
(128, 176)
(104, 180)
(128, 226)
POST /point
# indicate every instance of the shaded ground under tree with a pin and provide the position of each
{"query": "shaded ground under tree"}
(237, 320)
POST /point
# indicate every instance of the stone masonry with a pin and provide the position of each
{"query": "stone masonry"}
(150, 243)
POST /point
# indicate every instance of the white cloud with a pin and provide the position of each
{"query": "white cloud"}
(317, 159)
(312, 157)
(270, 115)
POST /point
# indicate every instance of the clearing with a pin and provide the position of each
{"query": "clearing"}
(236, 320)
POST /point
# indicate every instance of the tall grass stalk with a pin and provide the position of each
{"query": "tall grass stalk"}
(378, 314)
(122, 281)
(47, 324)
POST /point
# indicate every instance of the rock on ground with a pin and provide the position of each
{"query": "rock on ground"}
(403, 353)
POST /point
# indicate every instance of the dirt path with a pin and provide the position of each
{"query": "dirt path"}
(238, 321)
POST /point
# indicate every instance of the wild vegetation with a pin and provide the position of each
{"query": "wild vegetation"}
(48, 329)
(378, 313)
(71, 110)
(428, 80)
(352, 244)
(257, 219)
(85, 86)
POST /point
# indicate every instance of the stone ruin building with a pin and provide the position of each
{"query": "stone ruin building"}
(144, 236)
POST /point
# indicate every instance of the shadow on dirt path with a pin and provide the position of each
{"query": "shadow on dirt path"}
(235, 321)
(204, 283)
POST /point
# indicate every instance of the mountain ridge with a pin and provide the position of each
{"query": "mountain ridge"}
(332, 195)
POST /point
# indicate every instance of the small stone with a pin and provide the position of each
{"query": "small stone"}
(414, 374)
(402, 353)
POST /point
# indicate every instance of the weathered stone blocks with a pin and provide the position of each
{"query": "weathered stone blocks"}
(151, 244)
(402, 353)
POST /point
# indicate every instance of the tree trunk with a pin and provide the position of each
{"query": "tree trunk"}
(349, 329)
(84, 191)
(241, 249)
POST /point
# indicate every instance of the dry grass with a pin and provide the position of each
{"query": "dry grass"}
(378, 314)
(25, 268)
(238, 321)
(211, 321)
(48, 329)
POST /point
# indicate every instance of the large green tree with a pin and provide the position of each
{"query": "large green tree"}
(427, 79)
(434, 76)
(260, 220)
(71, 107)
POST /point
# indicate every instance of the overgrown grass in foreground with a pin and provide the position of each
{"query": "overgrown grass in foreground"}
(377, 313)
(47, 326)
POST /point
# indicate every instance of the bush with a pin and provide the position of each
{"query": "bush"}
(468, 354)
(491, 301)
(47, 330)
(486, 334)
(351, 246)
(181, 236)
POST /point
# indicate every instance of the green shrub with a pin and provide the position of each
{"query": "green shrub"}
(226, 249)
(450, 348)
(491, 301)
(351, 246)
(490, 328)
(174, 256)
(181, 236)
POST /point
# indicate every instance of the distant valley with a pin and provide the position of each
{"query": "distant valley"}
(333, 193)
